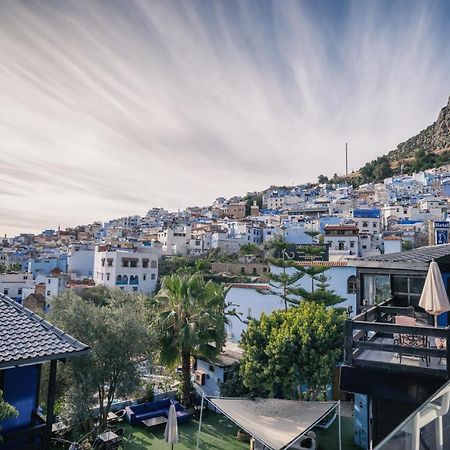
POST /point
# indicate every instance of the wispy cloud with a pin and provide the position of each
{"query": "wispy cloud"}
(112, 107)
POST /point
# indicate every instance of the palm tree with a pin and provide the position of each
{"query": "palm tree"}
(190, 321)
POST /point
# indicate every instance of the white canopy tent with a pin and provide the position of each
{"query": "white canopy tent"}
(276, 423)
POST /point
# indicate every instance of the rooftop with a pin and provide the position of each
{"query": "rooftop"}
(26, 338)
(416, 259)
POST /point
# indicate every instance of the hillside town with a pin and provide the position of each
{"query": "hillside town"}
(268, 315)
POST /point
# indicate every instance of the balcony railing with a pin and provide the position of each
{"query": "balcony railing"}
(370, 341)
(426, 428)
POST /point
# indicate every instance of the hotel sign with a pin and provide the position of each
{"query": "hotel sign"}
(441, 230)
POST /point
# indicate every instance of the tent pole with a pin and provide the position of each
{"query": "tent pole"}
(340, 436)
(200, 422)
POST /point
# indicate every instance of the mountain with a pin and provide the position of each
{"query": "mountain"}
(434, 138)
(427, 149)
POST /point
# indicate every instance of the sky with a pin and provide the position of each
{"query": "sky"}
(110, 108)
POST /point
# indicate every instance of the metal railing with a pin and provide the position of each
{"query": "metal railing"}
(364, 332)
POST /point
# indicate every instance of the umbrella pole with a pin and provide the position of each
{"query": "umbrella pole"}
(200, 422)
(340, 432)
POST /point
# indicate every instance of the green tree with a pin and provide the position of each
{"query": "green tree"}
(322, 179)
(6, 410)
(287, 349)
(114, 328)
(276, 248)
(250, 250)
(190, 322)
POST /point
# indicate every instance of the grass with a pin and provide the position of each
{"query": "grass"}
(328, 439)
(219, 433)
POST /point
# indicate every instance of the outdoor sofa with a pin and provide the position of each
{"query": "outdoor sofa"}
(137, 413)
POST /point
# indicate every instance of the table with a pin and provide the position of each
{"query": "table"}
(108, 437)
(155, 421)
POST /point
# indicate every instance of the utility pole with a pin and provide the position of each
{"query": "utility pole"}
(346, 159)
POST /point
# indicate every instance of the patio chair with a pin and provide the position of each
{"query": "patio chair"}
(409, 340)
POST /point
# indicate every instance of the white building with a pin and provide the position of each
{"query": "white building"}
(209, 375)
(175, 240)
(16, 284)
(55, 283)
(130, 269)
(80, 260)
(342, 238)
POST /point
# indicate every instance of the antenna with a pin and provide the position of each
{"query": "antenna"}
(346, 159)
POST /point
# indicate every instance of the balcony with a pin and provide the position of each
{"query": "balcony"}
(373, 340)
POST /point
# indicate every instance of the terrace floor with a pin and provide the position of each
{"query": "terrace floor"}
(392, 358)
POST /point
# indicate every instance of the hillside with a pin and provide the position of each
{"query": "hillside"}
(435, 137)
(427, 149)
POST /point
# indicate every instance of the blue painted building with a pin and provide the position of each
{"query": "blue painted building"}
(44, 266)
(26, 342)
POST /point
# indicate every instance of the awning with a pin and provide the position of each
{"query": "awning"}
(273, 422)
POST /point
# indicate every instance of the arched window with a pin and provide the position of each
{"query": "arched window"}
(351, 285)
(119, 279)
(136, 279)
(242, 271)
(124, 279)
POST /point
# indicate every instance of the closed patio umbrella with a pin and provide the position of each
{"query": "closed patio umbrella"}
(171, 431)
(434, 298)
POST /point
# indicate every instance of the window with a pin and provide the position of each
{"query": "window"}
(364, 246)
(374, 225)
(145, 263)
(49, 280)
(365, 224)
(351, 285)
(103, 262)
(135, 288)
(107, 276)
(144, 277)
(48, 292)
(119, 279)
(341, 246)
(133, 263)
(153, 276)
(154, 264)
(110, 262)
(19, 291)
(211, 368)
(124, 279)
(6, 291)
(352, 244)
(254, 271)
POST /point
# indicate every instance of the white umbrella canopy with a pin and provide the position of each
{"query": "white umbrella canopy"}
(171, 431)
(434, 298)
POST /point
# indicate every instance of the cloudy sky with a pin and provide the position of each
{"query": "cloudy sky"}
(111, 107)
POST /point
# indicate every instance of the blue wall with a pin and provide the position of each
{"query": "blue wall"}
(21, 389)
(45, 265)
(361, 413)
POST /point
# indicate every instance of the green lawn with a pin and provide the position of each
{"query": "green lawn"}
(218, 433)
(328, 439)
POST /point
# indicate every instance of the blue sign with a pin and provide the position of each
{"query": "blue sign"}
(441, 225)
(441, 237)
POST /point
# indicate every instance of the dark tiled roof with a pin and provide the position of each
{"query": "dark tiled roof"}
(27, 338)
(417, 258)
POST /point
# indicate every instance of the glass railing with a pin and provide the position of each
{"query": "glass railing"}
(427, 428)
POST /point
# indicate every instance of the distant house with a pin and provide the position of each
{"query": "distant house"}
(210, 374)
(26, 342)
